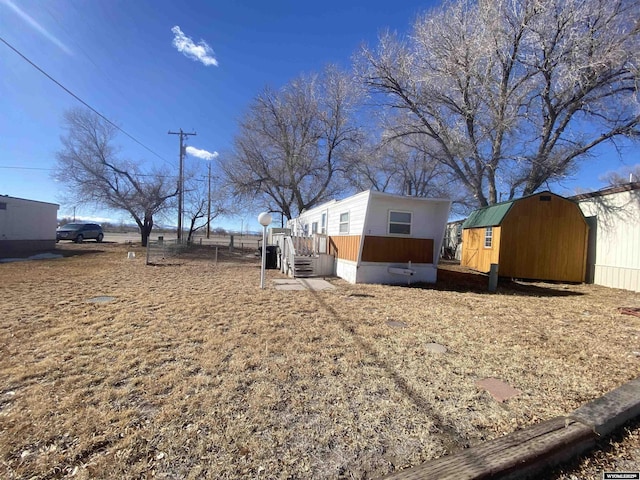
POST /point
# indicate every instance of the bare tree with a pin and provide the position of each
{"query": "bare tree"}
(397, 167)
(89, 164)
(290, 152)
(199, 200)
(625, 175)
(404, 165)
(512, 93)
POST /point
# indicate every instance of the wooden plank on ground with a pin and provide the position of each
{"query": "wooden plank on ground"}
(517, 455)
(612, 410)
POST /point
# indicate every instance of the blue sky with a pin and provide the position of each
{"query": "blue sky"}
(120, 58)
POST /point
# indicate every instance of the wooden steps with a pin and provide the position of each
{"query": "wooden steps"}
(303, 266)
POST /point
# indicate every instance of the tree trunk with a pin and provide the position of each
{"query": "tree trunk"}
(145, 230)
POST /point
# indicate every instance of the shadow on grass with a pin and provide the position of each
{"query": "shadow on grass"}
(75, 252)
(447, 433)
(455, 280)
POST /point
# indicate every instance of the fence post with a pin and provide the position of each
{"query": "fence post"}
(493, 277)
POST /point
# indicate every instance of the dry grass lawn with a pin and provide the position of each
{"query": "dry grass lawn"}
(192, 371)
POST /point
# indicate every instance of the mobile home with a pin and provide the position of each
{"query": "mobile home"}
(26, 226)
(614, 240)
(375, 237)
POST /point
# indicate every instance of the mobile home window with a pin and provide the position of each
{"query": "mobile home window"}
(344, 222)
(323, 224)
(400, 223)
(488, 237)
(314, 227)
(3, 205)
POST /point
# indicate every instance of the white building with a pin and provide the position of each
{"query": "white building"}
(26, 226)
(613, 214)
(375, 237)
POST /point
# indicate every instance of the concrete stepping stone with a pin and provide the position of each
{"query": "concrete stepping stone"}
(315, 284)
(292, 284)
(396, 324)
(436, 348)
(498, 389)
(101, 299)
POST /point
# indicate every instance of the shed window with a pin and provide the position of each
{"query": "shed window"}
(545, 198)
(488, 237)
(400, 223)
(344, 222)
(3, 205)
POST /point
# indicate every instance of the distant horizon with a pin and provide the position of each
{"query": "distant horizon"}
(132, 225)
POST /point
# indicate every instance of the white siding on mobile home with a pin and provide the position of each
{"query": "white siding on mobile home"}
(355, 207)
(371, 231)
(26, 226)
(428, 220)
(616, 210)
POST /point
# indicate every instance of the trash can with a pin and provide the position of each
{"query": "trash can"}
(272, 257)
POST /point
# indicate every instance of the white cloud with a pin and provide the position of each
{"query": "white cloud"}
(200, 52)
(196, 152)
(36, 26)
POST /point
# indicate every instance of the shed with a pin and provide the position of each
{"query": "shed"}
(375, 237)
(540, 237)
(614, 238)
(26, 226)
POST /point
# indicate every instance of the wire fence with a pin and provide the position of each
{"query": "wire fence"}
(163, 251)
(160, 250)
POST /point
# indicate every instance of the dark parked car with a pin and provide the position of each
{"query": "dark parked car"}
(78, 232)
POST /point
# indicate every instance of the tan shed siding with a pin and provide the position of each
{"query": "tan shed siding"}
(345, 247)
(394, 249)
(544, 240)
(474, 254)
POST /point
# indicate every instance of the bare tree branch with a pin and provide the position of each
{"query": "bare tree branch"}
(89, 165)
(512, 94)
(291, 151)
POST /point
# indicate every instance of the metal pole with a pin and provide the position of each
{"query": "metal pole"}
(181, 179)
(264, 255)
(209, 207)
(180, 188)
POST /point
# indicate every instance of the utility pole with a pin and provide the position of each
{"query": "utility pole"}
(181, 178)
(209, 207)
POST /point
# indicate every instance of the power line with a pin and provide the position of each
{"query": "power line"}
(80, 100)
(25, 168)
(14, 167)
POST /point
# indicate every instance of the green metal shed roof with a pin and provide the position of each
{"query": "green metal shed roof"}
(488, 216)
